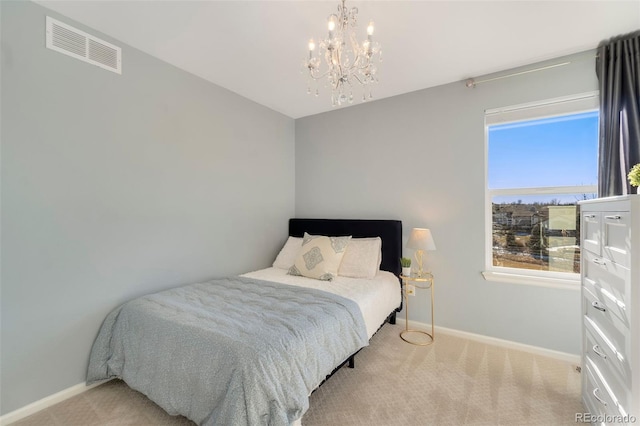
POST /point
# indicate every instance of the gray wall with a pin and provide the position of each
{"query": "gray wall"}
(119, 185)
(419, 157)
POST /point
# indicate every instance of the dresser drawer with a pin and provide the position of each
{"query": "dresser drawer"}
(609, 325)
(614, 367)
(616, 237)
(609, 282)
(591, 229)
(596, 397)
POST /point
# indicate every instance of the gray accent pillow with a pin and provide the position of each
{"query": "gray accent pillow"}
(320, 257)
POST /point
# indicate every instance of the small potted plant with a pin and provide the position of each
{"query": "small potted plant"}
(634, 177)
(405, 262)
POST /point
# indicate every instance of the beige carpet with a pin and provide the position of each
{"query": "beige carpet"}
(452, 382)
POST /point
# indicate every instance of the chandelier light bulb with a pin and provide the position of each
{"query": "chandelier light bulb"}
(312, 45)
(331, 24)
(370, 28)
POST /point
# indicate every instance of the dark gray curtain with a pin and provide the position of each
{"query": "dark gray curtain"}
(618, 71)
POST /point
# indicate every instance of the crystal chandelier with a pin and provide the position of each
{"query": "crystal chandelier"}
(347, 61)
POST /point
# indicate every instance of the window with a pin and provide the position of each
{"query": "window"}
(541, 160)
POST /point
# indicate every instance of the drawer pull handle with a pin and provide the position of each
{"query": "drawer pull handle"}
(599, 262)
(614, 217)
(596, 349)
(600, 400)
(596, 305)
(590, 216)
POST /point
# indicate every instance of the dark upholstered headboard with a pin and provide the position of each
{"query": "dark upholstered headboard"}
(390, 231)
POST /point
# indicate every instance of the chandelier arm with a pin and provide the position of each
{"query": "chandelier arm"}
(318, 77)
(357, 61)
(358, 78)
(361, 58)
(336, 85)
(356, 65)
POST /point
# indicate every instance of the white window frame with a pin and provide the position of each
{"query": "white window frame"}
(585, 102)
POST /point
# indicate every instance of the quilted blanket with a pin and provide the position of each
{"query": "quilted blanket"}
(233, 351)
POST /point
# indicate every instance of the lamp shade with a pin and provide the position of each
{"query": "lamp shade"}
(421, 239)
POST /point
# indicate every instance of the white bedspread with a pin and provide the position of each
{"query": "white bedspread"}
(376, 297)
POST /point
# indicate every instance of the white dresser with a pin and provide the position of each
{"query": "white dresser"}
(610, 238)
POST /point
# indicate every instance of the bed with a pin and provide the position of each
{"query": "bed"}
(250, 349)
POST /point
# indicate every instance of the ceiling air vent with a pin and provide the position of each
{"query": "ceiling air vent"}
(71, 41)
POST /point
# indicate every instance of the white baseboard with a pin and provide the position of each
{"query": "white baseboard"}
(563, 356)
(46, 402)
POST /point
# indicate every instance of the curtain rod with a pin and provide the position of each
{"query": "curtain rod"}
(471, 82)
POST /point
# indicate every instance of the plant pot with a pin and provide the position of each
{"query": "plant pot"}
(406, 271)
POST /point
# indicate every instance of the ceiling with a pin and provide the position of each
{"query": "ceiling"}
(256, 48)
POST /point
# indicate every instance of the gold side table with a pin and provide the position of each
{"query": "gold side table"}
(424, 282)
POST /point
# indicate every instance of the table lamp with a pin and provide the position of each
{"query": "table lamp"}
(420, 240)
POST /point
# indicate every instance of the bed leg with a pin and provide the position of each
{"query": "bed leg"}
(392, 318)
(352, 361)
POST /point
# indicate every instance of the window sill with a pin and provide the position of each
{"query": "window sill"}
(506, 277)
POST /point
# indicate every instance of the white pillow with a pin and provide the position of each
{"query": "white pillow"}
(362, 258)
(320, 257)
(288, 254)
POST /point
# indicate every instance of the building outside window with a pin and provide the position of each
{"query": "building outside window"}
(541, 160)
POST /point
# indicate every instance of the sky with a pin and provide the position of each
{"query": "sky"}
(558, 151)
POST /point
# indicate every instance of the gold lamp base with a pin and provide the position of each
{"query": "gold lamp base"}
(407, 332)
